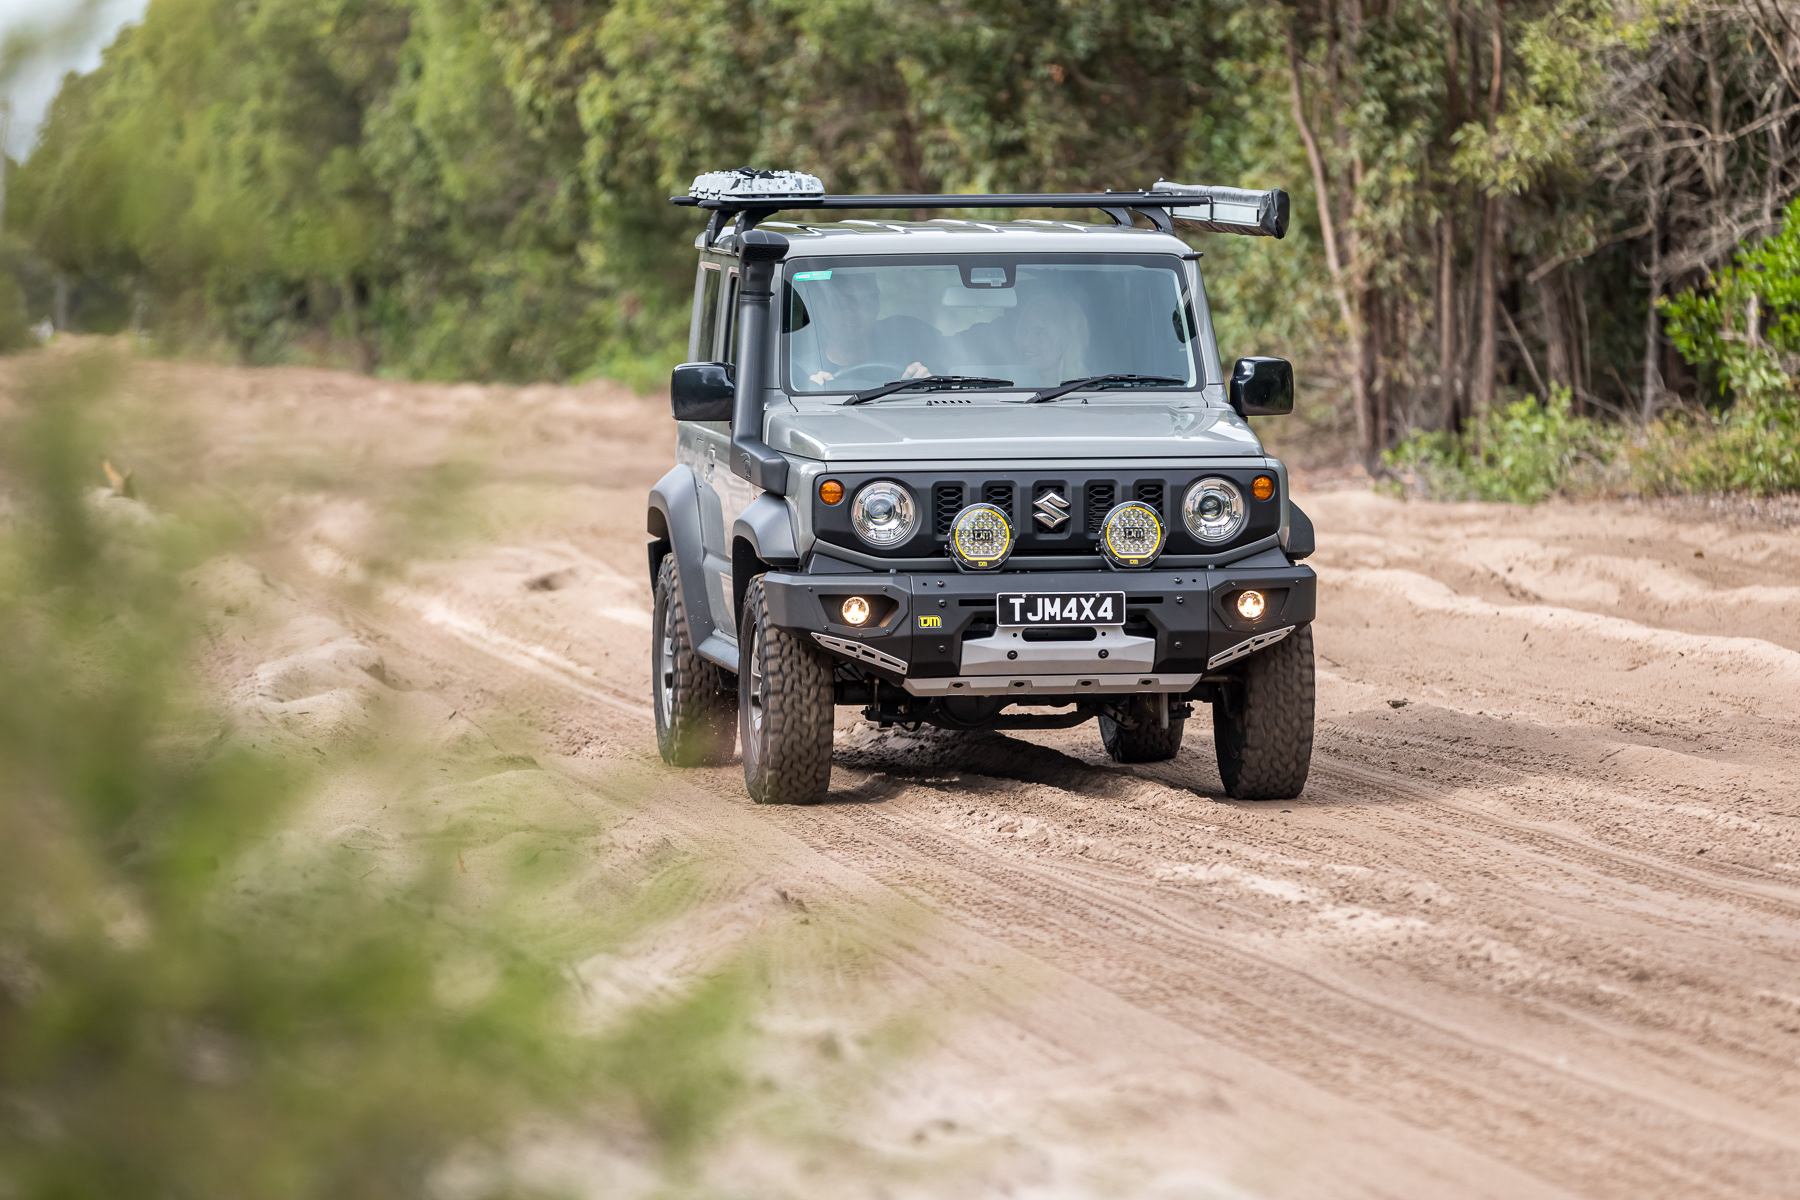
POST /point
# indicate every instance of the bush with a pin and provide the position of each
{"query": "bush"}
(1524, 452)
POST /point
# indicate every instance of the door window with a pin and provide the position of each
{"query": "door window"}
(706, 314)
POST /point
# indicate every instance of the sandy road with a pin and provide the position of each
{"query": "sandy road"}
(1532, 930)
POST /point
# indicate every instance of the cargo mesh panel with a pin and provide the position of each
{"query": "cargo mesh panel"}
(946, 502)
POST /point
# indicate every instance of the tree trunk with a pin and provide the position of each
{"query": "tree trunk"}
(1487, 364)
(1334, 263)
(1652, 378)
(1450, 392)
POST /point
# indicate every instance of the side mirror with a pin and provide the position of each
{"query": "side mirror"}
(702, 391)
(1262, 387)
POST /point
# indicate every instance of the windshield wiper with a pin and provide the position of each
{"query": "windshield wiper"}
(931, 383)
(1097, 381)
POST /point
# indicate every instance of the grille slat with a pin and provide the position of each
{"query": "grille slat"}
(1150, 491)
(946, 502)
(1000, 495)
(1099, 503)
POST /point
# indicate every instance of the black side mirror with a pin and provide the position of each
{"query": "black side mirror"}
(1262, 387)
(702, 391)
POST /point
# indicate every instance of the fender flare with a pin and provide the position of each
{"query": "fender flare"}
(761, 537)
(673, 522)
(1298, 536)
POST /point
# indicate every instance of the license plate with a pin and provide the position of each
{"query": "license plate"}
(1060, 608)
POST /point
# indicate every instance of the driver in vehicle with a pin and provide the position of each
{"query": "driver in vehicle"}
(845, 309)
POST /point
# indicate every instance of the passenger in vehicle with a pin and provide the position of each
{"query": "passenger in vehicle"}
(1052, 339)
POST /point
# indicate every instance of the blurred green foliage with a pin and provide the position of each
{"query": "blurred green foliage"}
(194, 1003)
(477, 188)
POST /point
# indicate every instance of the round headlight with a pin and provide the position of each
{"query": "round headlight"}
(883, 514)
(981, 537)
(1132, 534)
(1213, 510)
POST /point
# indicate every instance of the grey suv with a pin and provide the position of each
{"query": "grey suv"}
(975, 474)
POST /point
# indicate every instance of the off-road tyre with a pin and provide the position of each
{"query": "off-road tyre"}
(784, 709)
(1263, 727)
(1149, 742)
(696, 715)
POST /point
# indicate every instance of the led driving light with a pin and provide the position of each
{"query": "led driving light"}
(981, 537)
(1132, 535)
(1213, 510)
(1262, 487)
(883, 514)
(831, 491)
(856, 610)
(1250, 605)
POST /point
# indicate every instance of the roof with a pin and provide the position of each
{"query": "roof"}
(951, 235)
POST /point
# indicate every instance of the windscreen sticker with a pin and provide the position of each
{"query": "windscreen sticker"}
(805, 276)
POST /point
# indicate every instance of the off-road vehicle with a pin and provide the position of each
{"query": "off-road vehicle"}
(976, 474)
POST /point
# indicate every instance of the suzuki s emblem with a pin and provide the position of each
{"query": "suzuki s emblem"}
(1052, 509)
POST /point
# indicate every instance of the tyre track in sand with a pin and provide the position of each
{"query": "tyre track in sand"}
(1480, 956)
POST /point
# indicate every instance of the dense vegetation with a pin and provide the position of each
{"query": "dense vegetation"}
(1492, 198)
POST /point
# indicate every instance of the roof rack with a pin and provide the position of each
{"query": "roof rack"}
(757, 195)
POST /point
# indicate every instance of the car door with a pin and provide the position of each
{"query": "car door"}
(706, 447)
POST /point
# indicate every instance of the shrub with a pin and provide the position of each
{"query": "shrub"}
(1523, 452)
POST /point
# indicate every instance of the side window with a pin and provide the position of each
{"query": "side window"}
(728, 321)
(703, 336)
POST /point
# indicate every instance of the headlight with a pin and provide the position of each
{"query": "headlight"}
(981, 537)
(1213, 510)
(883, 514)
(1132, 535)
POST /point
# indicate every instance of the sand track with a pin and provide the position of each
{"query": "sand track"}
(1532, 930)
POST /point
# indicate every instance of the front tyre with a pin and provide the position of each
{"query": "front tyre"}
(1146, 740)
(784, 709)
(696, 721)
(1263, 727)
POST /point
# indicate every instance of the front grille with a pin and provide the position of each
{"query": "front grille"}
(1000, 495)
(1099, 503)
(946, 502)
(1150, 491)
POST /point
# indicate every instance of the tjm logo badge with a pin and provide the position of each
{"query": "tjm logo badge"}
(931, 622)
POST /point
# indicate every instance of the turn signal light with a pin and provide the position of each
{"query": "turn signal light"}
(1251, 605)
(831, 491)
(1262, 487)
(856, 611)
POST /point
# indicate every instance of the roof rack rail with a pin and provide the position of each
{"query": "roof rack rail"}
(1212, 209)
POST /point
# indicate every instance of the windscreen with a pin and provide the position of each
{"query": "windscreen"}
(854, 323)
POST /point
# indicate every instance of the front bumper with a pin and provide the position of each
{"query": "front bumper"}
(940, 637)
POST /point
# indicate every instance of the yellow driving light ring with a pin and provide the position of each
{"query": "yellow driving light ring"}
(1132, 534)
(981, 538)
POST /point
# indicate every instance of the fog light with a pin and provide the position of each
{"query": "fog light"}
(1250, 605)
(1262, 487)
(831, 491)
(856, 610)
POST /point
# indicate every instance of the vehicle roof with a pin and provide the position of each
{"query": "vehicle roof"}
(957, 235)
